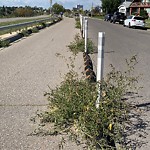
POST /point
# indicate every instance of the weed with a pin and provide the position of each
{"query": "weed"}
(4, 43)
(78, 45)
(78, 25)
(35, 30)
(25, 33)
(72, 108)
(42, 24)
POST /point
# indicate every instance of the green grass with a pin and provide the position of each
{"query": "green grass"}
(98, 17)
(18, 21)
(148, 23)
(17, 28)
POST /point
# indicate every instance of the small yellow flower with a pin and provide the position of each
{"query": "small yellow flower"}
(103, 93)
(110, 127)
(112, 110)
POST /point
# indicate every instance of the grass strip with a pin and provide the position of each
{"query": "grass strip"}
(148, 23)
(18, 28)
(19, 21)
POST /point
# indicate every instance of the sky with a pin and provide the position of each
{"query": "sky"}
(87, 4)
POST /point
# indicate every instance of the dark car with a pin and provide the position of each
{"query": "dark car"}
(118, 17)
(108, 17)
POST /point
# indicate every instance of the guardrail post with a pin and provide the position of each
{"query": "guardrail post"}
(100, 64)
(86, 35)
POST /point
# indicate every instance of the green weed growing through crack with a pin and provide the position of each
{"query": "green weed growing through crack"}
(72, 108)
(77, 24)
(78, 45)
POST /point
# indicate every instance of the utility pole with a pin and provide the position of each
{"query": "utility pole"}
(50, 6)
(92, 10)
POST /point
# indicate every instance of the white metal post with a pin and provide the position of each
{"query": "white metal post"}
(86, 34)
(84, 26)
(51, 7)
(100, 64)
(81, 21)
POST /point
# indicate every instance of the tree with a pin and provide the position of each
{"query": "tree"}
(96, 10)
(110, 6)
(57, 8)
(24, 12)
(144, 14)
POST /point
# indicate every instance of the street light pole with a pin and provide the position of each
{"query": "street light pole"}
(92, 10)
(50, 6)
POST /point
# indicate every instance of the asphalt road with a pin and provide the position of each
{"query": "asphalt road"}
(27, 68)
(122, 43)
(21, 18)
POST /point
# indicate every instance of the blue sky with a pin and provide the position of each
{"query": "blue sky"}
(46, 3)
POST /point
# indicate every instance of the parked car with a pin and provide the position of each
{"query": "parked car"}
(107, 17)
(76, 14)
(118, 17)
(134, 21)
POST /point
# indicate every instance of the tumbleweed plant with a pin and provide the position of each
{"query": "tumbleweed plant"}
(72, 108)
(78, 45)
(77, 24)
(4, 43)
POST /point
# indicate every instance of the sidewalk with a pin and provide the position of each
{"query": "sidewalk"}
(28, 67)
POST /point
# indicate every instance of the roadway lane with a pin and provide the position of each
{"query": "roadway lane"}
(122, 43)
(27, 68)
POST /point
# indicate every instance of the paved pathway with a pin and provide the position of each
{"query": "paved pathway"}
(26, 69)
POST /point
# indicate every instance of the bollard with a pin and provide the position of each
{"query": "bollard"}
(81, 22)
(100, 64)
(86, 35)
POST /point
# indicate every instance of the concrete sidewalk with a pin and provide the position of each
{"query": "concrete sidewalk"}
(28, 67)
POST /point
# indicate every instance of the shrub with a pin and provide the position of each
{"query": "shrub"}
(78, 25)
(78, 45)
(35, 30)
(144, 14)
(72, 108)
(24, 33)
(4, 43)
(43, 24)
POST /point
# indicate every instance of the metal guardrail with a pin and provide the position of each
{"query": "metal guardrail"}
(2, 28)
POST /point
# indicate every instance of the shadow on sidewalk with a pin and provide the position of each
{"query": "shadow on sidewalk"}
(136, 129)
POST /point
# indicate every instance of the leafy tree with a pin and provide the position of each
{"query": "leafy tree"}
(24, 12)
(3, 11)
(144, 14)
(110, 6)
(57, 8)
(96, 10)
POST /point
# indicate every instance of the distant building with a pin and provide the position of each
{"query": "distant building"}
(75, 9)
(134, 6)
(138, 5)
(125, 7)
(79, 7)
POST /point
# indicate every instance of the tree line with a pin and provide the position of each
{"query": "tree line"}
(110, 6)
(26, 11)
